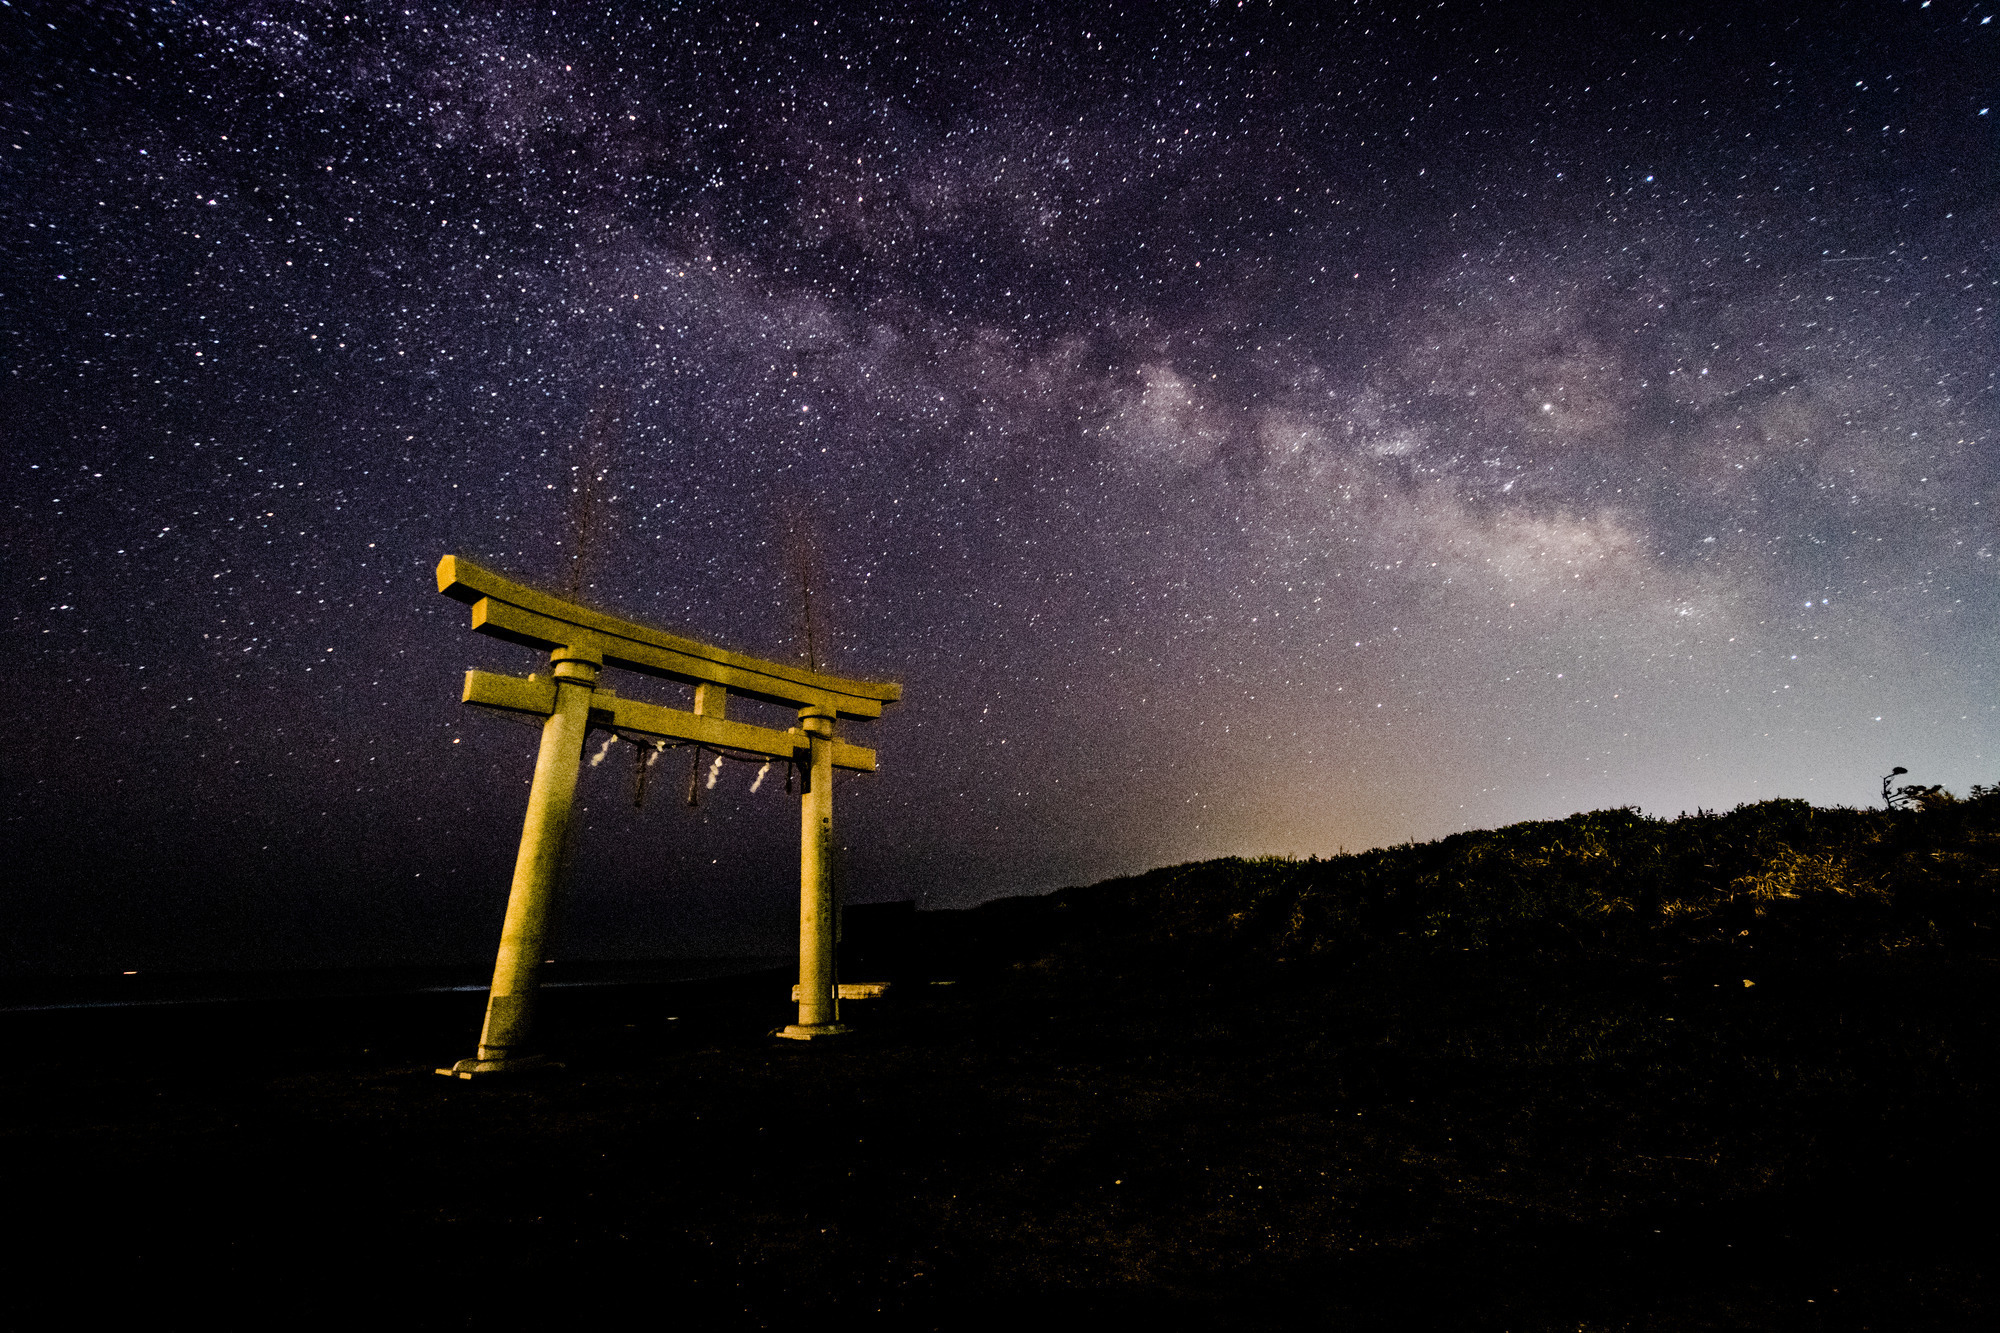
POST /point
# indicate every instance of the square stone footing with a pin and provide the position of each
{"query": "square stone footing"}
(514, 1064)
(854, 990)
(810, 1031)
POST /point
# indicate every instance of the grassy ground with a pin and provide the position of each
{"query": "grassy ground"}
(1165, 1098)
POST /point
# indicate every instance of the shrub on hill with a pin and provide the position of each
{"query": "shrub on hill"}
(1781, 877)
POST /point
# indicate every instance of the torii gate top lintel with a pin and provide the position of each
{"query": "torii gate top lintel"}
(519, 614)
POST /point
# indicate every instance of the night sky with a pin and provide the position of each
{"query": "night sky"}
(1242, 429)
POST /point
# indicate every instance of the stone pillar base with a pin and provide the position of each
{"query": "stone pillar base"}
(810, 1031)
(513, 1064)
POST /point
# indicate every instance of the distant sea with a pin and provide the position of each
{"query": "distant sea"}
(139, 989)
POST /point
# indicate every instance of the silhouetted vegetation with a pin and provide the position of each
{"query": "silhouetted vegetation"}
(1777, 879)
(1731, 1070)
(1767, 1034)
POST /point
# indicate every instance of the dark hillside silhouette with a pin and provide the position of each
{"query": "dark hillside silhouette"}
(1725, 1071)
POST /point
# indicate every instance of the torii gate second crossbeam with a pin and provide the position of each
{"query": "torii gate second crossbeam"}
(581, 643)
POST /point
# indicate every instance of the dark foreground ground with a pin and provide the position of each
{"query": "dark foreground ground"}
(1412, 1144)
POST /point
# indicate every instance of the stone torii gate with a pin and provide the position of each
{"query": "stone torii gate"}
(581, 643)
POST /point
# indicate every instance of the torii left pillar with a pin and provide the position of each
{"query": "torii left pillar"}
(510, 1005)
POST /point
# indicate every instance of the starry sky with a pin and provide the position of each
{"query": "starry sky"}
(1242, 428)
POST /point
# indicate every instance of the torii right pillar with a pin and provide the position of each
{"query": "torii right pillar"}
(819, 909)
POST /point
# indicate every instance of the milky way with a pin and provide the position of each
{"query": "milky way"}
(1242, 431)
